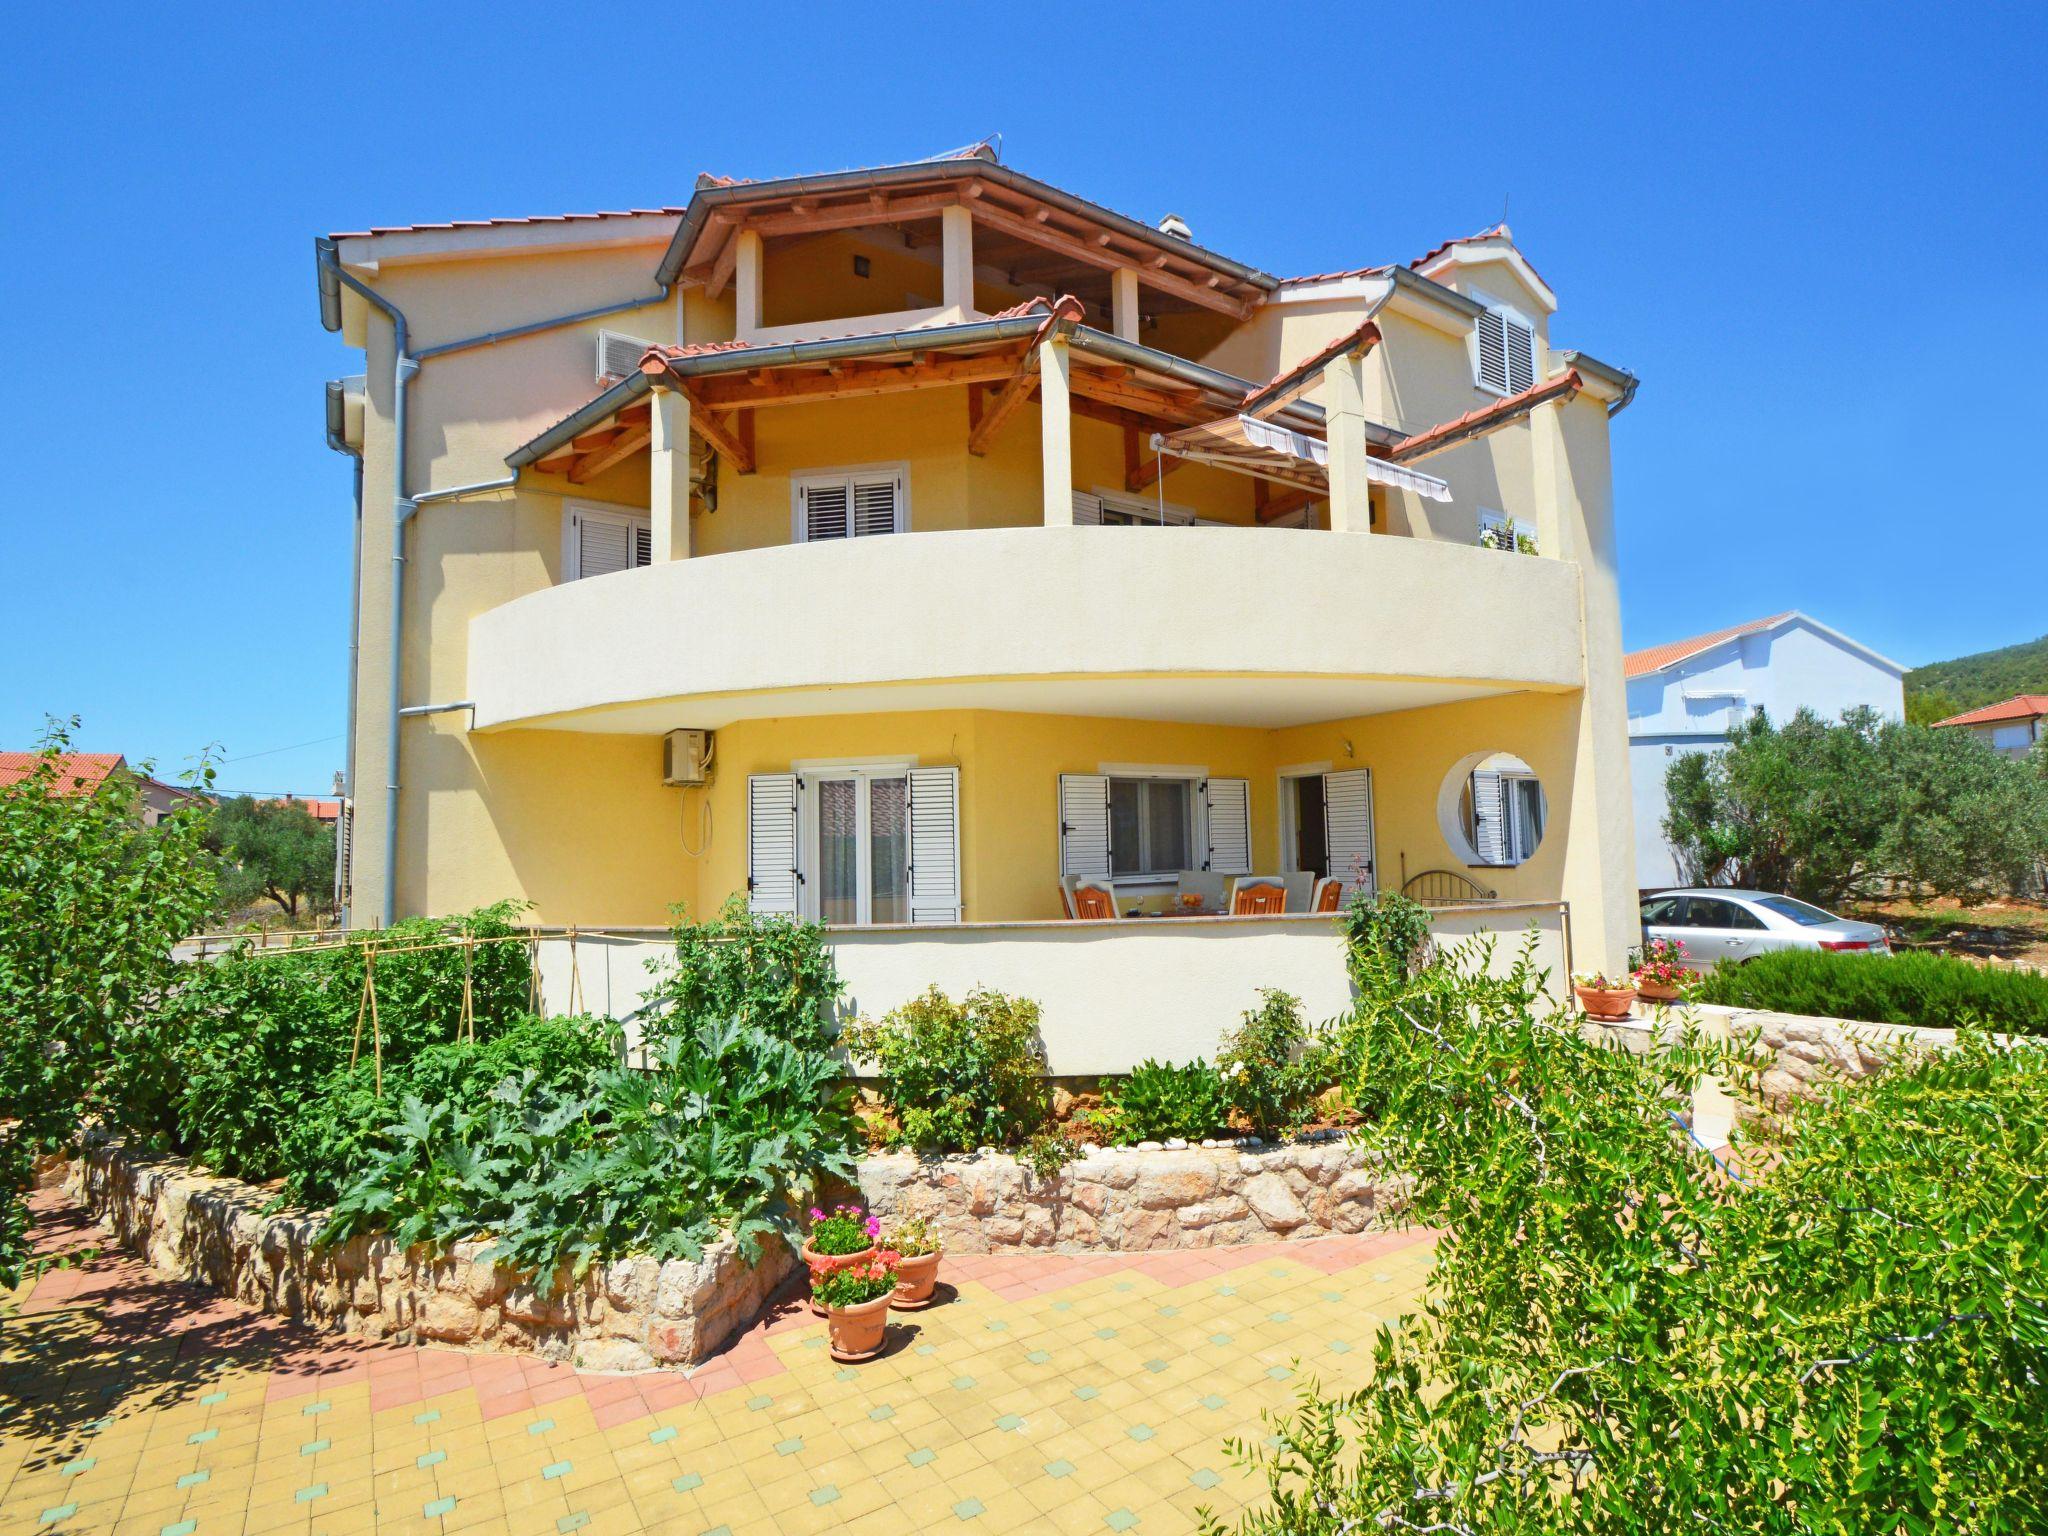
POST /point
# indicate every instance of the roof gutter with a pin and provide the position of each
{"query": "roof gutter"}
(709, 199)
(1608, 374)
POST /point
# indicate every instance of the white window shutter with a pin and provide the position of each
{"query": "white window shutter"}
(1520, 348)
(1087, 510)
(1229, 804)
(1084, 825)
(1347, 828)
(877, 506)
(643, 544)
(772, 844)
(603, 545)
(827, 511)
(935, 845)
(1491, 328)
(1489, 819)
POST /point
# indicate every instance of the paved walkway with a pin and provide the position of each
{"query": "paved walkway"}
(1061, 1393)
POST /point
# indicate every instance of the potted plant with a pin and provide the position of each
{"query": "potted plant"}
(1660, 971)
(916, 1245)
(856, 1301)
(840, 1240)
(1602, 997)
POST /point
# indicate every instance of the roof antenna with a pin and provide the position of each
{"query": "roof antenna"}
(1503, 209)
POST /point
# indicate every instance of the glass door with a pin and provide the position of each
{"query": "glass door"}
(862, 855)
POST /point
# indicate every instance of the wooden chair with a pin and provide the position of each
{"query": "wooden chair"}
(1094, 900)
(1257, 896)
(1066, 895)
(1329, 895)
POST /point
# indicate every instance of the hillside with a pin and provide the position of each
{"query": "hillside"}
(1944, 688)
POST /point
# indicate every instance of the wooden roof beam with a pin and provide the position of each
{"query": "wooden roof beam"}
(621, 448)
(728, 393)
(725, 438)
(1081, 250)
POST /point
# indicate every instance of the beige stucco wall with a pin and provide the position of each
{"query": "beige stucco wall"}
(581, 825)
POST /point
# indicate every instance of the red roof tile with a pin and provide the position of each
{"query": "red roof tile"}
(1657, 657)
(672, 354)
(2021, 706)
(1334, 277)
(1498, 232)
(78, 773)
(319, 810)
(1497, 413)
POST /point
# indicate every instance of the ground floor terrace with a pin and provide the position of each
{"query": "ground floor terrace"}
(1063, 1393)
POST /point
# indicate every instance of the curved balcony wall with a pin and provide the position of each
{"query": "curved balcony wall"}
(1265, 627)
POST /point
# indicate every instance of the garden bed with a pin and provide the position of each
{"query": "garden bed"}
(1137, 1199)
(631, 1314)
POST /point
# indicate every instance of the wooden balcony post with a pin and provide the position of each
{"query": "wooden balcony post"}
(1344, 423)
(668, 475)
(1056, 431)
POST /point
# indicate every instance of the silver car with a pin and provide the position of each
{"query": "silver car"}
(1716, 925)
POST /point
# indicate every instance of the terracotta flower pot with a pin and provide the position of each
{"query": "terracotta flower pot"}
(916, 1274)
(1606, 1002)
(824, 1263)
(858, 1332)
(1656, 991)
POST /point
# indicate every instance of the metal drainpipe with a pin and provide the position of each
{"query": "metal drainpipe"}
(403, 368)
(338, 441)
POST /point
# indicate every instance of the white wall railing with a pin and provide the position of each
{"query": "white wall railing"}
(1110, 994)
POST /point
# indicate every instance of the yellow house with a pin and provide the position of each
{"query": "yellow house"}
(908, 546)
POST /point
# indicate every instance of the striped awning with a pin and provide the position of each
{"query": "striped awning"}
(1254, 447)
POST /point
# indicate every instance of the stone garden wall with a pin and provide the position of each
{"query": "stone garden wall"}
(1137, 1199)
(629, 1315)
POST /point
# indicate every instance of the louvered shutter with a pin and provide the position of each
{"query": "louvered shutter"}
(643, 544)
(1493, 349)
(603, 544)
(1087, 510)
(1347, 828)
(825, 511)
(935, 845)
(1229, 804)
(1489, 828)
(877, 507)
(1520, 348)
(772, 876)
(1084, 825)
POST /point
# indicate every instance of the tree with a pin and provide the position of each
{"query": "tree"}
(91, 904)
(1831, 812)
(1622, 1337)
(271, 849)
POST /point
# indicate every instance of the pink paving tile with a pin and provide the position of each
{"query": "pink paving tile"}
(506, 1402)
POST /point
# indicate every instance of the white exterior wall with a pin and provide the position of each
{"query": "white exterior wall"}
(1694, 706)
(1110, 994)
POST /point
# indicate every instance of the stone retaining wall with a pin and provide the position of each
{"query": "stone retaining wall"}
(1137, 1199)
(632, 1314)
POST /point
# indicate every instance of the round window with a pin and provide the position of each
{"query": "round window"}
(1493, 810)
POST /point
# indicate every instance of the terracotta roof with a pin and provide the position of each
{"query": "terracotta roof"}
(707, 348)
(1334, 277)
(319, 810)
(78, 773)
(1498, 232)
(2021, 706)
(1658, 657)
(1486, 417)
(538, 218)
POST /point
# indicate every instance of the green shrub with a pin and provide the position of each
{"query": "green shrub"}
(770, 973)
(1938, 991)
(1273, 1066)
(718, 1133)
(1159, 1100)
(959, 1075)
(1621, 1338)
(1387, 938)
(329, 1141)
(256, 1034)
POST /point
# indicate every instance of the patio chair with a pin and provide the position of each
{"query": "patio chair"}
(1094, 900)
(1257, 895)
(1067, 895)
(1329, 895)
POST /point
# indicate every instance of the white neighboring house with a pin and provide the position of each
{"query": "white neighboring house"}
(1689, 695)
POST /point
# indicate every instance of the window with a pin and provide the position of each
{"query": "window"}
(600, 540)
(856, 842)
(1805, 914)
(1504, 351)
(863, 849)
(1497, 530)
(1106, 509)
(1710, 912)
(1151, 826)
(1664, 912)
(849, 504)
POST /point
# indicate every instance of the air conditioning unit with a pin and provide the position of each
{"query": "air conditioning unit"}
(618, 355)
(686, 757)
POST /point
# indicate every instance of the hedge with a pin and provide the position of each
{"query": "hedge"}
(1937, 991)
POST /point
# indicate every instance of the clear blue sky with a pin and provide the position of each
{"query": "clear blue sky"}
(1816, 232)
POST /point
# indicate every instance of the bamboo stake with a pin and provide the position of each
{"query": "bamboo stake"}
(575, 977)
(376, 1047)
(468, 1001)
(355, 1051)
